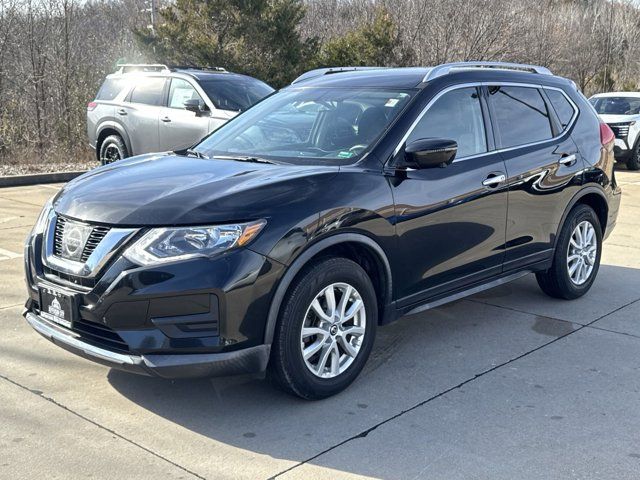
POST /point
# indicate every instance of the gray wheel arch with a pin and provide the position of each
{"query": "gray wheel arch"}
(119, 129)
(301, 260)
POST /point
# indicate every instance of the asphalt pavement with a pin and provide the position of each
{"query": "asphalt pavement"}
(508, 384)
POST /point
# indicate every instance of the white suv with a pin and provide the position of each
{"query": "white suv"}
(621, 111)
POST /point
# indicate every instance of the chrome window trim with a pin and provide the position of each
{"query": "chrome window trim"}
(486, 84)
(112, 241)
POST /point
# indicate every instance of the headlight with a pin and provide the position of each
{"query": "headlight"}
(41, 223)
(164, 245)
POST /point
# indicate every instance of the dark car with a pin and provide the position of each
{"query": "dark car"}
(342, 202)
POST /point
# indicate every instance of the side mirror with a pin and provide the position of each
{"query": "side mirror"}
(194, 105)
(430, 152)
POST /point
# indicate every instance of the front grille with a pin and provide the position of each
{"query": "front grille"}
(87, 283)
(96, 236)
(621, 130)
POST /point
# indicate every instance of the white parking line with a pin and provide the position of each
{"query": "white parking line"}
(8, 255)
(52, 187)
(7, 219)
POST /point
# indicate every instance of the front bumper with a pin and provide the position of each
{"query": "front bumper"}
(249, 360)
(200, 317)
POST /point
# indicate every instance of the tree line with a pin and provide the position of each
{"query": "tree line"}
(54, 54)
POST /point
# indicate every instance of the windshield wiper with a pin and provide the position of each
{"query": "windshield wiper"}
(191, 152)
(245, 159)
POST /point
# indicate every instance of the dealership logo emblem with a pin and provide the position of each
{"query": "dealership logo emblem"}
(55, 309)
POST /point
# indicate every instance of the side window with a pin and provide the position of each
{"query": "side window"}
(148, 91)
(562, 106)
(521, 115)
(456, 115)
(180, 92)
(110, 88)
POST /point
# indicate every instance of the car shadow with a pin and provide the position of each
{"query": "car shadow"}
(414, 359)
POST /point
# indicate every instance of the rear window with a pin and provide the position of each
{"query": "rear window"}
(110, 89)
(148, 91)
(235, 93)
(562, 106)
(521, 115)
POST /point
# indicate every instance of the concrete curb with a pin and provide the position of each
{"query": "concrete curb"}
(37, 178)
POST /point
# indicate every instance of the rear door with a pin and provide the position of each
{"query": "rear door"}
(140, 114)
(451, 221)
(180, 128)
(543, 165)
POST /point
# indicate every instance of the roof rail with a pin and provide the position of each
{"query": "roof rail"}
(140, 67)
(318, 72)
(446, 68)
(196, 67)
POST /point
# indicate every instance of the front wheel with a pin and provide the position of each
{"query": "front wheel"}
(326, 329)
(577, 256)
(633, 163)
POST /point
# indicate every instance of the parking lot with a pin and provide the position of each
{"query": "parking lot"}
(506, 384)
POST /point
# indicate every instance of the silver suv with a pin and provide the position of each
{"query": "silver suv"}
(153, 108)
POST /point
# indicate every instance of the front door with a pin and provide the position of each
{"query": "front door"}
(450, 221)
(544, 167)
(180, 128)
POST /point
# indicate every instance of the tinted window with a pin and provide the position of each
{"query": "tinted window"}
(521, 115)
(110, 89)
(180, 92)
(148, 91)
(616, 105)
(561, 105)
(456, 115)
(235, 93)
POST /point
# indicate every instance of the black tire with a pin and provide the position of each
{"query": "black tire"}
(556, 282)
(633, 162)
(287, 368)
(112, 149)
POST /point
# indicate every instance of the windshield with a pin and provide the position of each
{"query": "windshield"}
(616, 105)
(235, 94)
(331, 124)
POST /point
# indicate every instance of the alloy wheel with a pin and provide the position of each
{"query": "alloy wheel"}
(333, 330)
(582, 252)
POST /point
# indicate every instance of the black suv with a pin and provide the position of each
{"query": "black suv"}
(344, 201)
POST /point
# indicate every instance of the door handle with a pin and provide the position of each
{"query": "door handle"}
(494, 179)
(121, 111)
(165, 119)
(568, 160)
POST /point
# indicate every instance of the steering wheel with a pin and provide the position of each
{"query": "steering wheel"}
(356, 149)
(246, 140)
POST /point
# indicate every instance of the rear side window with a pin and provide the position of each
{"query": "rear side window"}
(110, 89)
(148, 91)
(456, 115)
(562, 106)
(521, 115)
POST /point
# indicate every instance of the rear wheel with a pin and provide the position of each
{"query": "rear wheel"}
(326, 329)
(577, 256)
(112, 149)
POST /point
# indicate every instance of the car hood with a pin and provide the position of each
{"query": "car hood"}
(167, 189)
(619, 118)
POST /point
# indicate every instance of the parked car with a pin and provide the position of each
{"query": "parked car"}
(621, 111)
(151, 108)
(271, 246)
